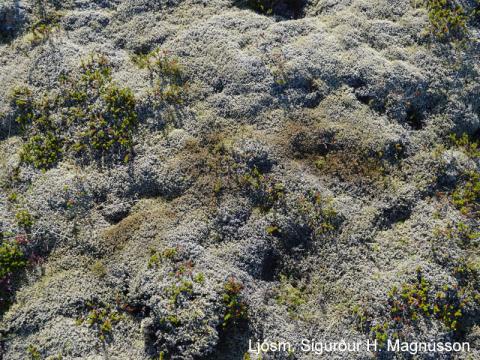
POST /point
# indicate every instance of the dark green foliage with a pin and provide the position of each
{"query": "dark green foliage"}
(265, 190)
(24, 220)
(101, 319)
(448, 20)
(466, 196)
(454, 306)
(92, 118)
(235, 307)
(417, 299)
(12, 259)
(33, 352)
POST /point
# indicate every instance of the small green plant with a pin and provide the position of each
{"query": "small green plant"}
(91, 118)
(317, 212)
(42, 30)
(236, 308)
(13, 197)
(266, 191)
(157, 257)
(98, 269)
(101, 318)
(166, 74)
(184, 288)
(448, 20)
(290, 296)
(467, 194)
(33, 352)
(24, 219)
(465, 143)
(418, 299)
(380, 333)
(12, 259)
(199, 278)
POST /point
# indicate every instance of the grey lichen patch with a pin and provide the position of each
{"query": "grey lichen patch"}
(233, 172)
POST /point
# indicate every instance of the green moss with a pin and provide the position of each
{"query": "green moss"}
(24, 219)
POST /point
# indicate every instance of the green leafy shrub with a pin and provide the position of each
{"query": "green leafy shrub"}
(452, 305)
(448, 19)
(235, 307)
(91, 118)
(12, 259)
(101, 319)
(467, 194)
(24, 219)
(33, 352)
(417, 299)
(290, 296)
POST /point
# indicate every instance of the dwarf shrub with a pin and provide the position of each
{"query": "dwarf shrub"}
(448, 20)
(91, 118)
(12, 259)
(236, 308)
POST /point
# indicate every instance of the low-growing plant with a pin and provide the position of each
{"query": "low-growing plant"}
(98, 269)
(12, 259)
(156, 257)
(42, 29)
(317, 212)
(33, 352)
(419, 299)
(266, 191)
(101, 318)
(467, 193)
(24, 220)
(166, 74)
(235, 307)
(448, 19)
(466, 144)
(182, 289)
(91, 118)
(290, 296)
